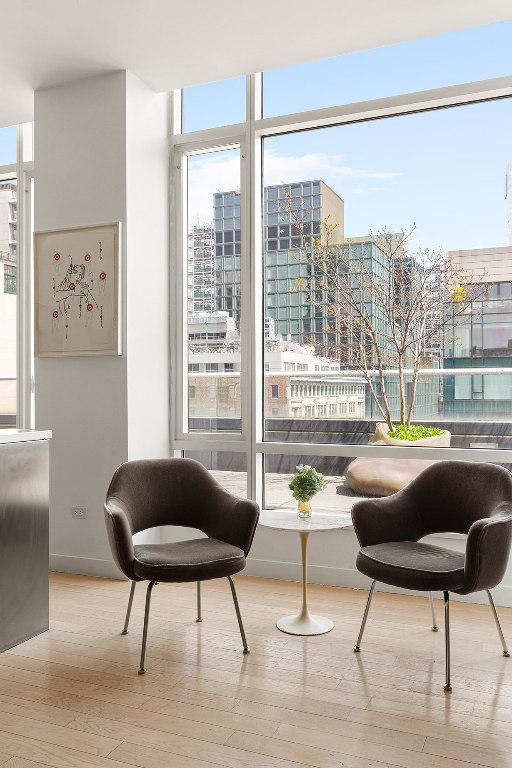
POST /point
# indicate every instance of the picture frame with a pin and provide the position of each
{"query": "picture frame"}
(77, 291)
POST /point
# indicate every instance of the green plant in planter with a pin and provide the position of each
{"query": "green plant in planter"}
(305, 483)
(413, 432)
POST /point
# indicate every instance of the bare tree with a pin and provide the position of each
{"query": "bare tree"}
(388, 312)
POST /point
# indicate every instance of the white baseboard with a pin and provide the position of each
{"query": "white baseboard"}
(85, 566)
(275, 569)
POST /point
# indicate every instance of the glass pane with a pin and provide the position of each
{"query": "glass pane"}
(457, 57)
(213, 291)
(228, 468)
(214, 104)
(392, 302)
(8, 145)
(279, 470)
(8, 266)
(346, 480)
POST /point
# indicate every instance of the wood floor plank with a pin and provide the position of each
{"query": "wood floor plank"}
(54, 755)
(479, 732)
(308, 748)
(203, 714)
(146, 757)
(331, 735)
(302, 717)
(21, 762)
(151, 727)
(501, 757)
(47, 713)
(316, 757)
(187, 755)
(55, 734)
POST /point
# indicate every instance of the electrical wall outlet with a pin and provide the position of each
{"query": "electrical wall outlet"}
(79, 512)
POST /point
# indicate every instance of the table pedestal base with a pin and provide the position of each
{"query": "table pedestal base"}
(300, 624)
(304, 622)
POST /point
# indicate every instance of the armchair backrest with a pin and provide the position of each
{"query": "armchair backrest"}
(157, 492)
(153, 492)
(452, 495)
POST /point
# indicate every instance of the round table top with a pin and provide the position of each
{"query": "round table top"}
(289, 520)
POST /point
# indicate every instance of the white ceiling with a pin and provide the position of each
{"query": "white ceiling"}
(170, 44)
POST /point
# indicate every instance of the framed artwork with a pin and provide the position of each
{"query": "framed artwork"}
(77, 291)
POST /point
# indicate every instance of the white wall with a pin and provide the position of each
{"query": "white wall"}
(147, 271)
(87, 140)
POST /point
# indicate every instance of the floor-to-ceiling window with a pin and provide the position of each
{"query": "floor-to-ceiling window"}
(337, 267)
(15, 205)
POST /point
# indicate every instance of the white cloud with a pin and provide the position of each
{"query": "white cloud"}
(210, 173)
(219, 172)
(282, 169)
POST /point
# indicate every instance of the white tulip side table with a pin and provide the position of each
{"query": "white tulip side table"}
(304, 623)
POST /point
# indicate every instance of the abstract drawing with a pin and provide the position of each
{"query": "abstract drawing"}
(77, 291)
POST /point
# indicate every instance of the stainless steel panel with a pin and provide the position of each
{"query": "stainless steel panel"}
(24, 548)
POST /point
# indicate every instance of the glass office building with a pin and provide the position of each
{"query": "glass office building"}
(226, 225)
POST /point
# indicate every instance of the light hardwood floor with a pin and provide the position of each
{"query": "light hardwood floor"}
(72, 698)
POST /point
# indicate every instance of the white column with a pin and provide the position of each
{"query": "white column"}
(100, 157)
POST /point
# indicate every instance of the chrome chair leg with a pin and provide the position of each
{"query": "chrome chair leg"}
(129, 609)
(432, 608)
(447, 685)
(142, 668)
(238, 615)
(357, 646)
(199, 601)
(498, 625)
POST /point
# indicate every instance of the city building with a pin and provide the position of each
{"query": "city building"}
(481, 338)
(8, 236)
(8, 217)
(226, 225)
(508, 198)
(292, 213)
(200, 271)
(298, 383)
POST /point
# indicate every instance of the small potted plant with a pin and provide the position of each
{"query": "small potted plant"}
(305, 483)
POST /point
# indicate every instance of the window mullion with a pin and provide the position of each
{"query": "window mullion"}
(23, 290)
(254, 175)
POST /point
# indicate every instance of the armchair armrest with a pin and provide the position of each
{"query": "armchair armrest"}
(231, 519)
(487, 550)
(393, 518)
(119, 532)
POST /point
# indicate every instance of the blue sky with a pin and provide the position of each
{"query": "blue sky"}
(444, 170)
(7, 145)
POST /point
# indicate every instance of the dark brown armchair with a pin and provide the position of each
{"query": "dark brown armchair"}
(451, 496)
(156, 492)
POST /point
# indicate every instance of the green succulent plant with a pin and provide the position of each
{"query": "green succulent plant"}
(306, 482)
(413, 432)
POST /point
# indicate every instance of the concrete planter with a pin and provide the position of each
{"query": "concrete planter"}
(385, 476)
(382, 437)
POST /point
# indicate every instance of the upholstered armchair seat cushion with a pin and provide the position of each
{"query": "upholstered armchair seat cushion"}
(413, 565)
(193, 560)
